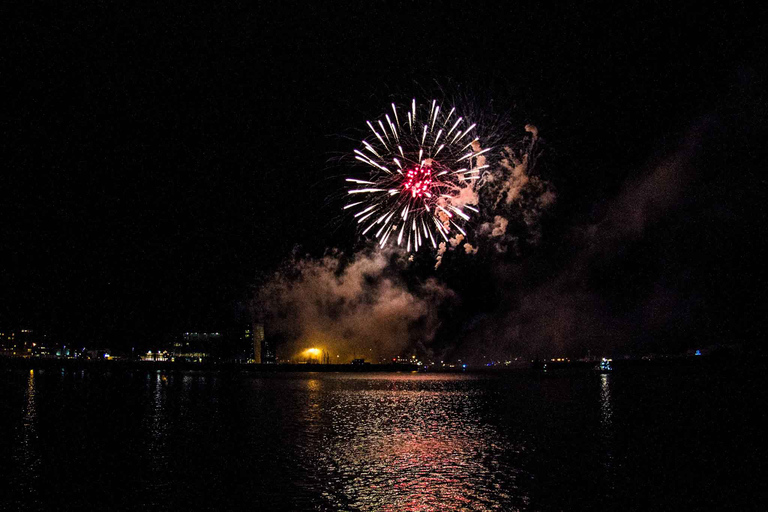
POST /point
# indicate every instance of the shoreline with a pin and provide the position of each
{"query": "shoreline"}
(252, 368)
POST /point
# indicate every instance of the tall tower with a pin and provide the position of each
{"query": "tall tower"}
(258, 343)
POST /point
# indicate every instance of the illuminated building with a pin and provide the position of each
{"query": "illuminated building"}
(263, 351)
(156, 355)
(23, 342)
(43, 350)
(195, 346)
(7, 342)
(237, 345)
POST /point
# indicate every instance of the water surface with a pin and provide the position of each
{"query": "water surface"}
(643, 439)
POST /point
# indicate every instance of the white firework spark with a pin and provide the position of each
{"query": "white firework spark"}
(419, 160)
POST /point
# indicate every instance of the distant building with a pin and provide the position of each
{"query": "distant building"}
(195, 346)
(7, 342)
(43, 349)
(97, 354)
(156, 355)
(263, 351)
(239, 346)
(257, 340)
(22, 342)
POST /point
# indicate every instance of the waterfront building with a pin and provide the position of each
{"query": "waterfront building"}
(196, 345)
(156, 355)
(263, 352)
(268, 354)
(22, 342)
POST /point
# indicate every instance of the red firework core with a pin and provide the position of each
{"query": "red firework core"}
(418, 181)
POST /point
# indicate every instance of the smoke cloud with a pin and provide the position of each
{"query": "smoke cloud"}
(361, 307)
(510, 195)
(580, 307)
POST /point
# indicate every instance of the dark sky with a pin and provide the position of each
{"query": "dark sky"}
(159, 158)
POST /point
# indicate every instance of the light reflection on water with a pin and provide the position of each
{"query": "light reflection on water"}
(606, 411)
(156, 424)
(30, 412)
(29, 453)
(606, 427)
(25, 448)
(402, 447)
(137, 440)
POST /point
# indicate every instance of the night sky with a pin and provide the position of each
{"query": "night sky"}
(161, 160)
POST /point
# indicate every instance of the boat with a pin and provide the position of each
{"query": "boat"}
(604, 366)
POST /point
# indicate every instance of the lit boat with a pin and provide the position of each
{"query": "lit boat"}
(604, 366)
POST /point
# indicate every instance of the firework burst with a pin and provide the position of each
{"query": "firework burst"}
(423, 164)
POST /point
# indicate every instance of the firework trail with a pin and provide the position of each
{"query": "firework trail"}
(423, 164)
